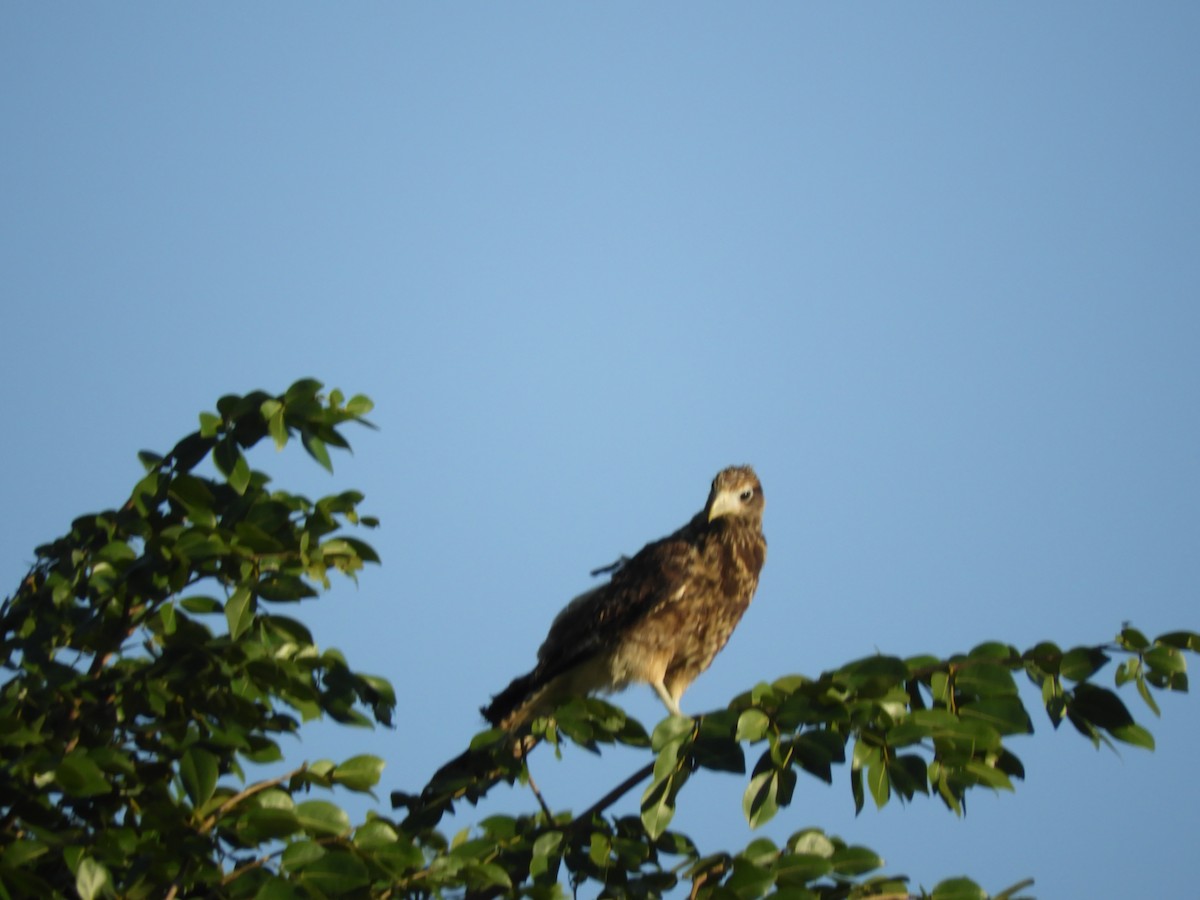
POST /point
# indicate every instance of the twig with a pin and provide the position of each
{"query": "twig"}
(537, 793)
(614, 795)
(248, 792)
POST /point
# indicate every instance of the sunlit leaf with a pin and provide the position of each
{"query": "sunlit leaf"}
(658, 806)
(760, 800)
(239, 612)
(359, 773)
(298, 854)
(877, 781)
(958, 889)
(752, 725)
(1134, 734)
(91, 879)
(855, 861)
(359, 405)
(319, 817)
(1164, 658)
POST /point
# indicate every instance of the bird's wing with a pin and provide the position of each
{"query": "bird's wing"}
(595, 621)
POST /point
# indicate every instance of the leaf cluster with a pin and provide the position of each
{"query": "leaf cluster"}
(147, 663)
(149, 670)
(902, 727)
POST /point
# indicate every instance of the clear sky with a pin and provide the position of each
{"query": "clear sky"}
(933, 269)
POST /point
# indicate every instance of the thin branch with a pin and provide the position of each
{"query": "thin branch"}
(614, 795)
(248, 792)
(537, 793)
(253, 864)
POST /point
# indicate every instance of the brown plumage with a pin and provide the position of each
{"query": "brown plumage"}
(661, 617)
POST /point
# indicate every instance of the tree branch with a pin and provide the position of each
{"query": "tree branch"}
(233, 801)
(613, 796)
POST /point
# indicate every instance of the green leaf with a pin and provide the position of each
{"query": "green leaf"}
(671, 729)
(375, 834)
(1147, 697)
(856, 790)
(359, 405)
(985, 680)
(1045, 657)
(316, 449)
(816, 751)
(267, 823)
(855, 861)
(796, 870)
(1100, 706)
(79, 776)
(658, 806)
(1132, 639)
(992, 650)
(1134, 734)
(359, 773)
(760, 802)
(599, 849)
(20, 852)
(877, 781)
(875, 672)
(748, 880)
(284, 588)
(487, 875)
(752, 725)
(255, 539)
(719, 753)
(1183, 640)
(1006, 714)
(299, 854)
(958, 889)
(987, 775)
(166, 617)
(335, 874)
(201, 605)
(1164, 658)
(907, 775)
(239, 612)
(320, 817)
(210, 424)
(198, 771)
(91, 879)
(545, 854)
(811, 841)
(1081, 663)
(272, 411)
(239, 475)
(191, 491)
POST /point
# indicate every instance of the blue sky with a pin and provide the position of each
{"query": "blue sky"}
(934, 270)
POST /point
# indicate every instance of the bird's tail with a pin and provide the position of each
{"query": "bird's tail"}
(513, 706)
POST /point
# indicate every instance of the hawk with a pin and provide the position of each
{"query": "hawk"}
(661, 617)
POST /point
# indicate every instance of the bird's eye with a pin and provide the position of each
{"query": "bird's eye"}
(746, 495)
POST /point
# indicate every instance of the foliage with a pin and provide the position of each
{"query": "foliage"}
(147, 673)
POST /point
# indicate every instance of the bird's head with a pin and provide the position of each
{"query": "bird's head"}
(736, 493)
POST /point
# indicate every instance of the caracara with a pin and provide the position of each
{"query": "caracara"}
(661, 617)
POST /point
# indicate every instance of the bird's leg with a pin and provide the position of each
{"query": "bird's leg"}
(664, 695)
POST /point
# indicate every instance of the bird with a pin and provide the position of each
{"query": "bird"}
(662, 616)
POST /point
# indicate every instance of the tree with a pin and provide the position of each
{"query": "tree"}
(147, 670)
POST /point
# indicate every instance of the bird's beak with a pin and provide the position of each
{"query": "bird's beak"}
(725, 502)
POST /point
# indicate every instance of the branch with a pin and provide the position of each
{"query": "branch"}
(248, 792)
(613, 796)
